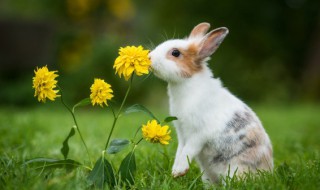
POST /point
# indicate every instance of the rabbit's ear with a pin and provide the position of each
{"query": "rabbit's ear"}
(200, 30)
(211, 41)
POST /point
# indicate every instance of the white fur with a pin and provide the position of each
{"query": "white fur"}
(164, 68)
(203, 107)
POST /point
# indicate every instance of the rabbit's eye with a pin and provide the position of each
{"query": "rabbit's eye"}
(175, 53)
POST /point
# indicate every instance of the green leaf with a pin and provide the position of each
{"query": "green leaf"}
(117, 145)
(83, 102)
(169, 119)
(140, 108)
(102, 172)
(65, 145)
(128, 168)
(49, 163)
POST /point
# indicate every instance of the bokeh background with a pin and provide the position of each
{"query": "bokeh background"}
(271, 55)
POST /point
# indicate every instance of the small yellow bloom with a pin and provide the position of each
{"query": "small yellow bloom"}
(131, 60)
(44, 83)
(100, 92)
(154, 133)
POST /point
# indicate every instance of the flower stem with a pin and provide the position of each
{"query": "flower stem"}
(134, 137)
(138, 141)
(118, 113)
(76, 124)
(112, 128)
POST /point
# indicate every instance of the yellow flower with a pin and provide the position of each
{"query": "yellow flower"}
(100, 92)
(131, 60)
(44, 83)
(154, 133)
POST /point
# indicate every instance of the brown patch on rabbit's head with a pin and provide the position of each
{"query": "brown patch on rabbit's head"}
(176, 60)
(188, 59)
(200, 47)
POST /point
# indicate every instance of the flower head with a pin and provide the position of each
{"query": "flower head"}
(131, 60)
(156, 133)
(44, 83)
(100, 92)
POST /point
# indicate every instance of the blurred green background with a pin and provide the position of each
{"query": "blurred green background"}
(271, 55)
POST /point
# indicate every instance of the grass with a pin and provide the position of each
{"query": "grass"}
(38, 132)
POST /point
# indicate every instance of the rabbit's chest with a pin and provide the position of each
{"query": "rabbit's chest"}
(185, 103)
(187, 109)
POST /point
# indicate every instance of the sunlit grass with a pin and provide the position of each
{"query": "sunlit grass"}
(39, 132)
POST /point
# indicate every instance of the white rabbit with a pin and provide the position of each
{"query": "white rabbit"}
(214, 127)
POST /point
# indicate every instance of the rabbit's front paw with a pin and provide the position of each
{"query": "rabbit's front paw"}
(180, 169)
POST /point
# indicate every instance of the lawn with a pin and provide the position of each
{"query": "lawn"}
(38, 132)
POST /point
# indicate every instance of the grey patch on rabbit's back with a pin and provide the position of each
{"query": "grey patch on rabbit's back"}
(225, 157)
(241, 137)
(239, 120)
(231, 139)
(251, 143)
(219, 158)
(236, 140)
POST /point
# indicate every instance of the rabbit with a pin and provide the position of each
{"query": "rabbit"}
(214, 127)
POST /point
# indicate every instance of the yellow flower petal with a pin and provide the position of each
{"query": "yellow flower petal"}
(155, 133)
(100, 92)
(131, 60)
(44, 83)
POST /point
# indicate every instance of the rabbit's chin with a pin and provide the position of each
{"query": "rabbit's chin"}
(168, 77)
(160, 75)
(157, 72)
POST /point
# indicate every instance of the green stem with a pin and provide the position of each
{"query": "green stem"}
(125, 97)
(76, 124)
(118, 113)
(112, 128)
(138, 141)
(136, 132)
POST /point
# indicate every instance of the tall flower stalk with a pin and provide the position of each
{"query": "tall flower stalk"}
(131, 60)
(116, 116)
(76, 124)
(44, 83)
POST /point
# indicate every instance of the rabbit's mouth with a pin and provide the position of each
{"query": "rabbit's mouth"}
(153, 69)
(154, 65)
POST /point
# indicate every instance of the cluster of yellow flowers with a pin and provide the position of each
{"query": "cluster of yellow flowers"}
(131, 60)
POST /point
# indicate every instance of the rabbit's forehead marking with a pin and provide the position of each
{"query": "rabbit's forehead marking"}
(188, 61)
